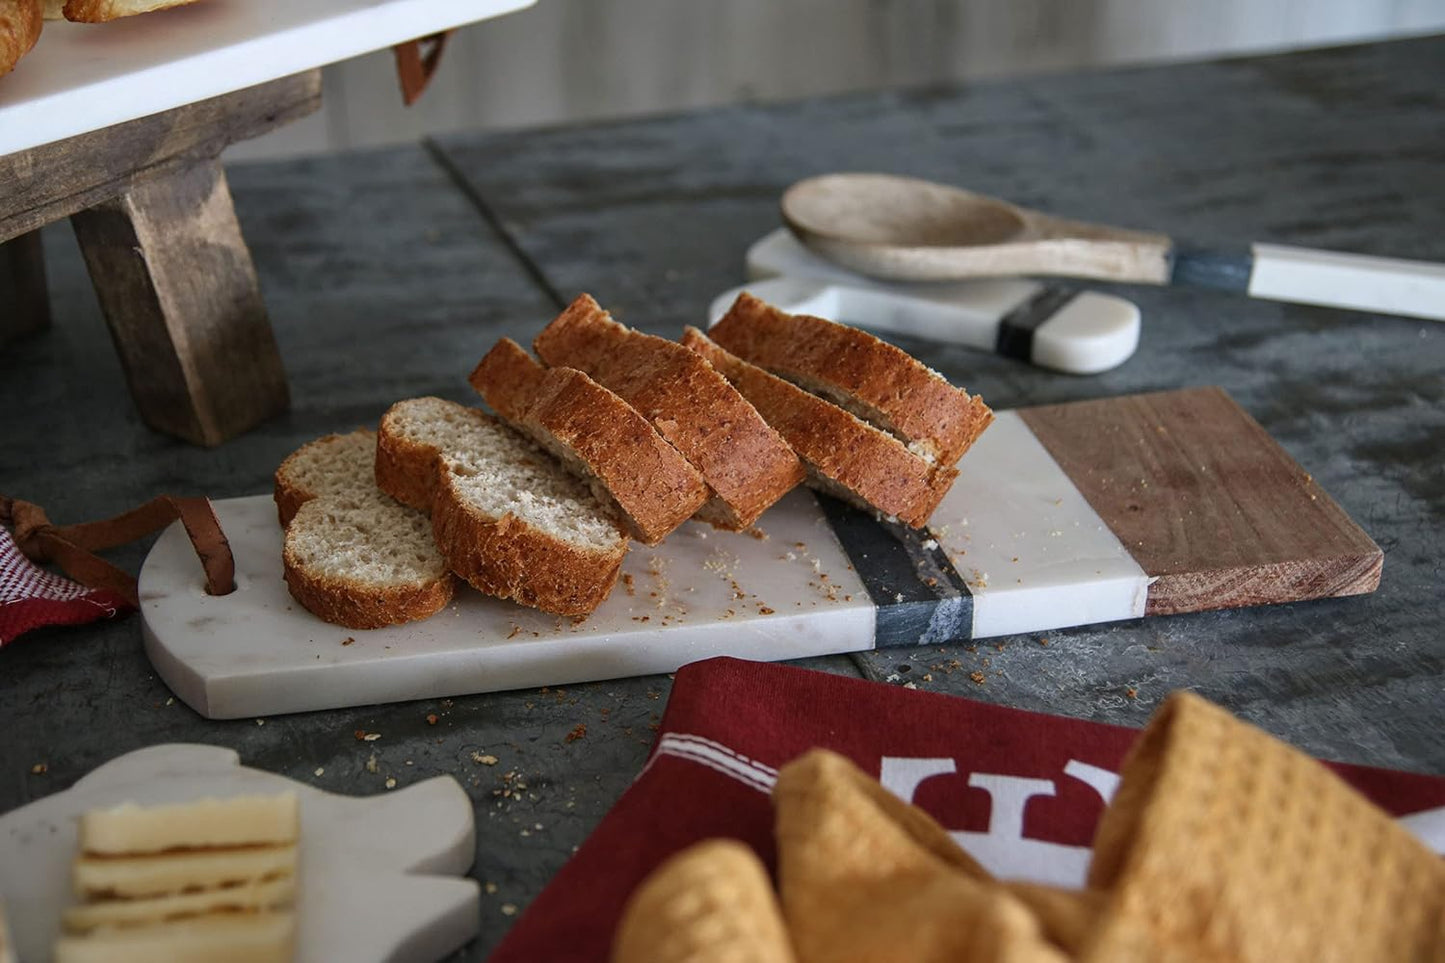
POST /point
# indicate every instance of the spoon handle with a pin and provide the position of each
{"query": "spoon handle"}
(1360, 282)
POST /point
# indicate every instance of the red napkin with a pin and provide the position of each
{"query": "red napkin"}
(1021, 791)
(31, 597)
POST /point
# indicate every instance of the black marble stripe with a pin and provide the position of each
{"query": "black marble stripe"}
(920, 599)
(1016, 329)
(1224, 269)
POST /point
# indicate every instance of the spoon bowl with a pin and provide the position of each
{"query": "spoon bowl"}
(899, 211)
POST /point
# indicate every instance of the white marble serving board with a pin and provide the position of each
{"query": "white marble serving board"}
(381, 877)
(83, 77)
(784, 592)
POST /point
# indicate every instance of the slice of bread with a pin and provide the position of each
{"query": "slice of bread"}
(507, 517)
(597, 435)
(876, 381)
(747, 464)
(845, 456)
(353, 556)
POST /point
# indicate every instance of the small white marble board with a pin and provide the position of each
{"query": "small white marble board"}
(381, 877)
(81, 77)
(1062, 515)
(1051, 325)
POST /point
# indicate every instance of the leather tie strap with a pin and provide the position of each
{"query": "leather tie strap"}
(72, 547)
(415, 65)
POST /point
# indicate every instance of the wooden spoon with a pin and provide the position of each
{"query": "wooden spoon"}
(905, 229)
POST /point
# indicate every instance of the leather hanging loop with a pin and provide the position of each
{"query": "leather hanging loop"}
(416, 63)
(72, 547)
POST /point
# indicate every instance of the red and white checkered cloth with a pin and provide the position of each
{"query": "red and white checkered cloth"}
(31, 597)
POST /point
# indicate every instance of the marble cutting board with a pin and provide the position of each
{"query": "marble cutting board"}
(1062, 515)
(381, 877)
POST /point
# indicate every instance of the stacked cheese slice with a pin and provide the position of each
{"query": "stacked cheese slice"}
(211, 881)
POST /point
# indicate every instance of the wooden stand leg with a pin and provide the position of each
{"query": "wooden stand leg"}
(181, 297)
(24, 301)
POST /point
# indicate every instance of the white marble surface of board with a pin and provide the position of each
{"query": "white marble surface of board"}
(1032, 551)
(786, 591)
(381, 877)
(82, 77)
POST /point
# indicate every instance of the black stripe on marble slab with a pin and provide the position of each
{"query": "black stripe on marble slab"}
(1016, 329)
(919, 598)
(1223, 269)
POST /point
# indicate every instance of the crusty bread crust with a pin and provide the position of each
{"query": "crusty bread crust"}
(747, 464)
(597, 434)
(840, 450)
(406, 469)
(875, 380)
(506, 556)
(20, 23)
(510, 559)
(102, 11)
(343, 602)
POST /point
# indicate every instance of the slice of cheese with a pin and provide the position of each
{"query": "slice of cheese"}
(130, 877)
(241, 821)
(224, 938)
(210, 881)
(246, 898)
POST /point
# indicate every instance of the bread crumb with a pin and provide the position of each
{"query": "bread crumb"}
(509, 909)
(490, 887)
(348, 640)
(371, 763)
(319, 770)
(579, 731)
(390, 783)
(39, 769)
(929, 544)
(976, 676)
(1132, 692)
(485, 760)
(431, 718)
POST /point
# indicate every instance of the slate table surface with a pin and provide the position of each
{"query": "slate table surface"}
(388, 274)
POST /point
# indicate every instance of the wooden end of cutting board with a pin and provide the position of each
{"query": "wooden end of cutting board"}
(1206, 501)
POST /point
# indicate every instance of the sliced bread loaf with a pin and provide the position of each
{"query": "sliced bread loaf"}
(845, 456)
(597, 435)
(876, 381)
(351, 555)
(507, 517)
(747, 464)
